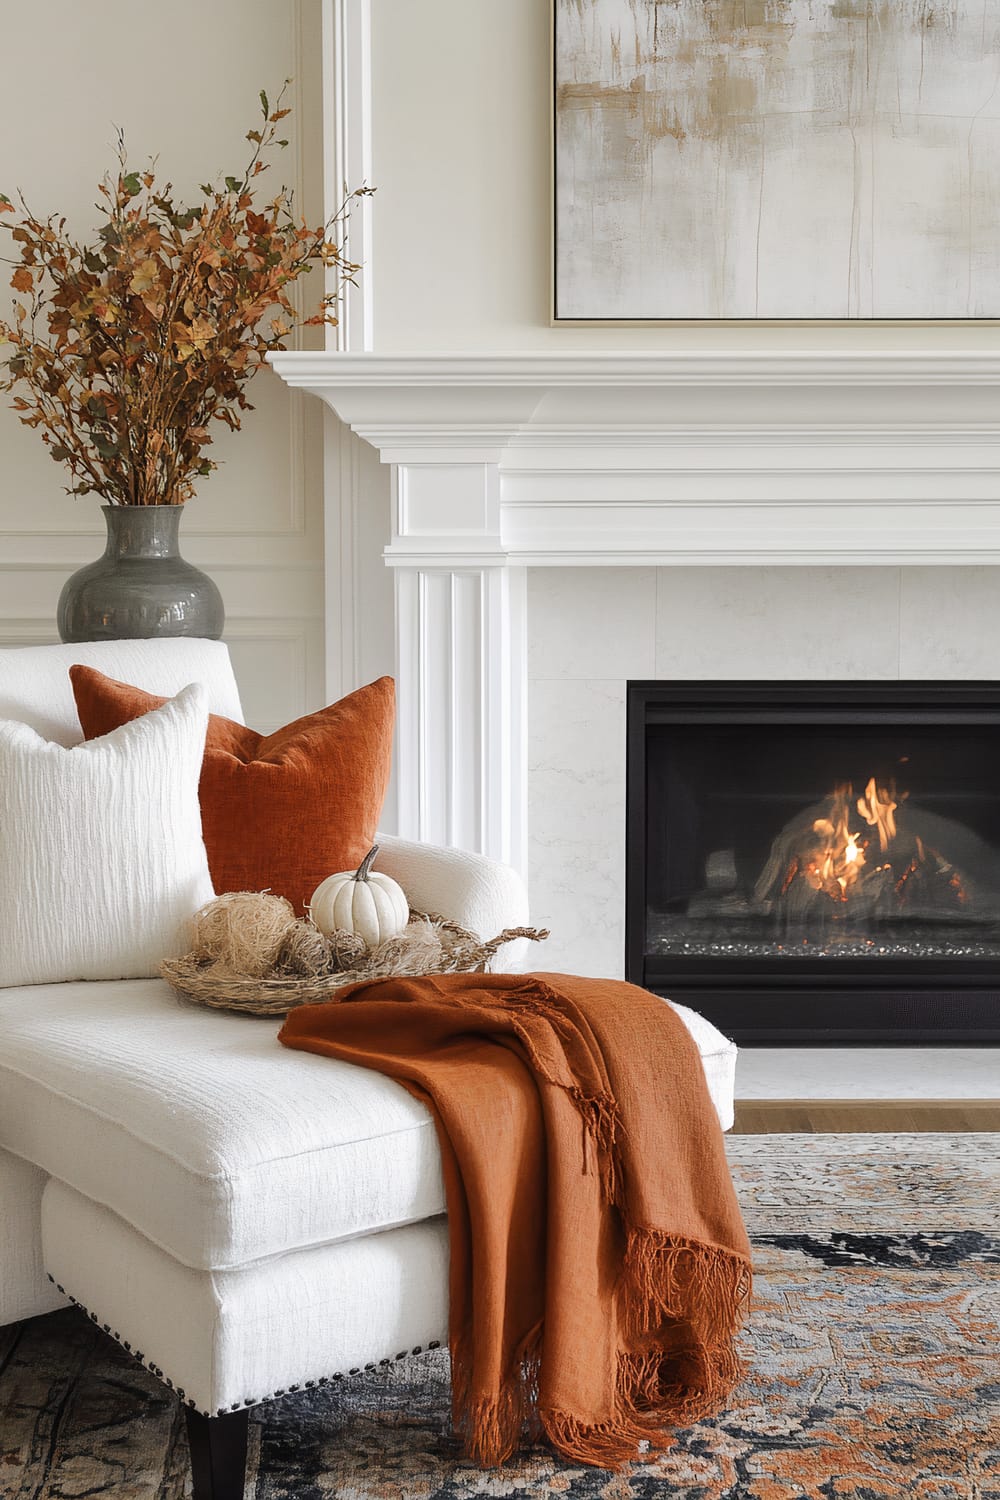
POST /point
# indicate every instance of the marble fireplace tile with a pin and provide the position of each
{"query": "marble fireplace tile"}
(949, 623)
(591, 622)
(777, 622)
(576, 820)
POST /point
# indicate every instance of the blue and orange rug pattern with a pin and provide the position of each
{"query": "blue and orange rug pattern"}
(873, 1355)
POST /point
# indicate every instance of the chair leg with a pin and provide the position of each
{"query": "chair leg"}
(218, 1454)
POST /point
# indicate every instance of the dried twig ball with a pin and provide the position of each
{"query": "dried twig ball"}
(304, 952)
(242, 932)
(346, 950)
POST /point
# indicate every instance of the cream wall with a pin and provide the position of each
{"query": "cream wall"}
(461, 92)
(182, 79)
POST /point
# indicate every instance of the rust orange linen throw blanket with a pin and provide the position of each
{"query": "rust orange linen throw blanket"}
(599, 1263)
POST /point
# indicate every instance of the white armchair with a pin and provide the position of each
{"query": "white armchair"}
(244, 1219)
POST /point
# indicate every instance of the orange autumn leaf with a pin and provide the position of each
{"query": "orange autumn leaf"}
(145, 277)
(22, 280)
(200, 331)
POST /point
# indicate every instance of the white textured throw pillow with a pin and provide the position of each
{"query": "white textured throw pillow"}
(101, 855)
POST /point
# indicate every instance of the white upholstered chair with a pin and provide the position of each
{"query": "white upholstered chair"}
(246, 1220)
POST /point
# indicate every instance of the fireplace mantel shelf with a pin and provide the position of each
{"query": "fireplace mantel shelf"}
(640, 368)
(501, 462)
(699, 458)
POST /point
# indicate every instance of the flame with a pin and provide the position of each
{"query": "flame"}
(877, 807)
(833, 859)
(836, 864)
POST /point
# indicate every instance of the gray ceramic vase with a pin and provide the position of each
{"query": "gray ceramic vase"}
(141, 587)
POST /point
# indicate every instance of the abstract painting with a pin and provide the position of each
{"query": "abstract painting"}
(777, 159)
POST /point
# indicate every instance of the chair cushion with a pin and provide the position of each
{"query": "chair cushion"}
(203, 1133)
(283, 811)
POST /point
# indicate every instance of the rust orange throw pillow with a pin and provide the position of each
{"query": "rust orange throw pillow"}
(281, 811)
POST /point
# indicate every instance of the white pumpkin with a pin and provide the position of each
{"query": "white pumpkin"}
(371, 905)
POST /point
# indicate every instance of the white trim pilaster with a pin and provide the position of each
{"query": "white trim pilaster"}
(460, 653)
(347, 162)
(347, 148)
(460, 721)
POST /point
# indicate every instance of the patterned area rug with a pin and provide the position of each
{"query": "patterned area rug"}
(873, 1351)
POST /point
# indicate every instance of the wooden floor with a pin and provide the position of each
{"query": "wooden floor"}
(825, 1116)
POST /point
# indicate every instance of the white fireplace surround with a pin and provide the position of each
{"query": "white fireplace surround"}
(502, 463)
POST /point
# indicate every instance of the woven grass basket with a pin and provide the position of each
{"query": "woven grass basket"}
(408, 955)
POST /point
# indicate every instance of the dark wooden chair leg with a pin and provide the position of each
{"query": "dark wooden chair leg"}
(218, 1454)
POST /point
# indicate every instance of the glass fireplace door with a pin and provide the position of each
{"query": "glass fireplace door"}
(834, 840)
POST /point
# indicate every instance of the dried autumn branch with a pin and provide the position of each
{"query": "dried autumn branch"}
(123, 350)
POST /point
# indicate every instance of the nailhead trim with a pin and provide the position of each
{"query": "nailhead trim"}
(250, 1400)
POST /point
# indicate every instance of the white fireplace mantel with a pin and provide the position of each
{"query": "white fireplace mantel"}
(504, 462)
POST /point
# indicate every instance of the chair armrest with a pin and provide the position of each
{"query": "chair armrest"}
(477, 893)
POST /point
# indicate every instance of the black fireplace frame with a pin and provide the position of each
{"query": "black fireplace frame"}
(919, 1002)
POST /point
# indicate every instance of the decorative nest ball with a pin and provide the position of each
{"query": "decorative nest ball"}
(346, 950)
(242, 932)
(304, 952)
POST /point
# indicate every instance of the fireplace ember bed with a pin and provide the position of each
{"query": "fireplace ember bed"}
(818, 862)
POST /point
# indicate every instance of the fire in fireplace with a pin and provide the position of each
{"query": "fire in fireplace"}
(818, 862)
(852, 874)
